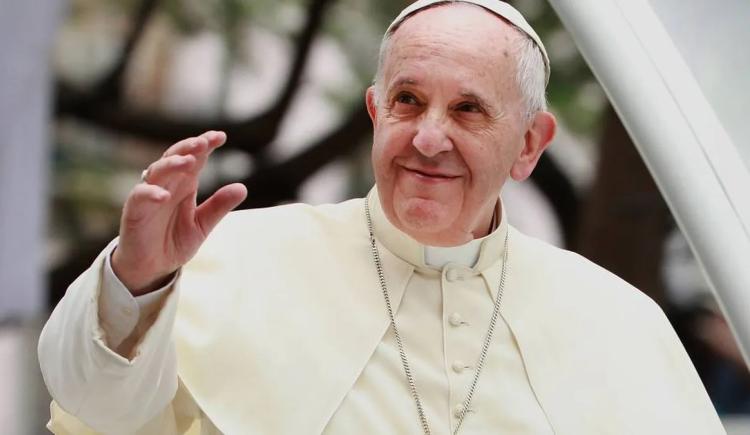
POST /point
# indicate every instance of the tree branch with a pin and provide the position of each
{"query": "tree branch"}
(274, 184)
(109, 88)
(246, 134)
(251, 135)
(303, 43)
(267, 124)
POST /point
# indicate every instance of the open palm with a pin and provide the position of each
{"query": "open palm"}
(162, 225)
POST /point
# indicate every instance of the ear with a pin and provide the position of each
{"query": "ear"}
(372, 105)
(537, 138)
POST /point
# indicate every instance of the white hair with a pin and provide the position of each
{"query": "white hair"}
(530, 69)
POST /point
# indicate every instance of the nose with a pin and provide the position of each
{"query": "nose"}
(431, 138)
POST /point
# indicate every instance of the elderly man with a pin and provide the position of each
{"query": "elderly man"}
(415, 310)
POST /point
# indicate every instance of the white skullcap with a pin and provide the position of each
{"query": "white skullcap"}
(497, 7)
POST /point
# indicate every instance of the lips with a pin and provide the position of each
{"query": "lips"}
(431, 173)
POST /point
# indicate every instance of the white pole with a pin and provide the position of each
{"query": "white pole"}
(692, 158)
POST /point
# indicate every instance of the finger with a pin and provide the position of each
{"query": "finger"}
(162, 170)
(143, 202)
(206, 142)
(193, 145)
(215, 139)
(200, 147)
(208, 214)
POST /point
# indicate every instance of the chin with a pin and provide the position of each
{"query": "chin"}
(421, 216)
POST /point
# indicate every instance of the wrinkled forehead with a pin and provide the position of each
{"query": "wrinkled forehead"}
(503, 10)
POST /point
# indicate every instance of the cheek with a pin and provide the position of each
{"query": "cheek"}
(489, 167)
(382, 159)
(389, 142)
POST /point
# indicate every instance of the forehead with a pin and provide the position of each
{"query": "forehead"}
(463, 35)
(454, 14)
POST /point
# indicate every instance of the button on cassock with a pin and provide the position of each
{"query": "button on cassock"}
(458, 410)
(455, 319)
(459, 366)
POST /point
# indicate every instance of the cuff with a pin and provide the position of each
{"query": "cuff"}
(120, 311)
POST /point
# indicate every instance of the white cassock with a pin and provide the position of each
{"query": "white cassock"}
(278, 326)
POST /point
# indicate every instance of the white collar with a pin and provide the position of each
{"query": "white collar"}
(466, 254)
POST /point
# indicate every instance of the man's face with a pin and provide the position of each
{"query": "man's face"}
(448, 123)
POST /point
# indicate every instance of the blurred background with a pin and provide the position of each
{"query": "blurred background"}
(92, 91)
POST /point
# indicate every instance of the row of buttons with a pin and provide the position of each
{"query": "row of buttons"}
(455, 320)
(458, 366)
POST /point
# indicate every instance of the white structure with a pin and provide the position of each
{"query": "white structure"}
(676, 73)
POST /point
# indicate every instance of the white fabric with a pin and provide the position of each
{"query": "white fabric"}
(466, 254)
(108, 391)
(119, 310)
(442, 318)
(271, 339)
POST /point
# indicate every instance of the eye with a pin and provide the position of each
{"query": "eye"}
(406, 98)
(469, 107)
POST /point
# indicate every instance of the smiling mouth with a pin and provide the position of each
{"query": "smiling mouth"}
(430, 175)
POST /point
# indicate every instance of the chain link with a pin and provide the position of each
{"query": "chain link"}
(402, 353)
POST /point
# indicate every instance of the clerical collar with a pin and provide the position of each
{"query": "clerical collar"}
(466, 254)
(477, 254)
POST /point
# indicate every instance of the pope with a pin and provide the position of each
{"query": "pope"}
(417, 309)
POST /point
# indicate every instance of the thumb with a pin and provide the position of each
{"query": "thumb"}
(212, 210)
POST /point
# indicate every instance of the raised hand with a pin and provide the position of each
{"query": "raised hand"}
(162, 226)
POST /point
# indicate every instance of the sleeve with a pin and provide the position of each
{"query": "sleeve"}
(181, 417)
(108, 392)
(120, 313)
